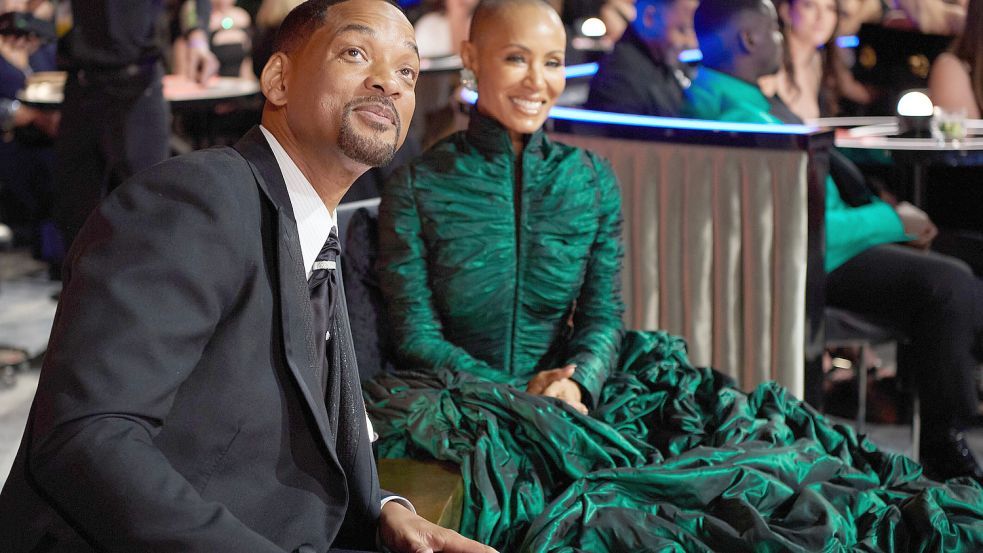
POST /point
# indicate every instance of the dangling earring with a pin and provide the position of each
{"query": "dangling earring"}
(468, 80)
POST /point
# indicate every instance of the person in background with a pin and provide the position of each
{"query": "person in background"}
(229, 38)
(115, 121)
(643, 74)
(955, 83)
(268, 19)
(26, 138)
(853, 94)
(441, 31)
(937, 17)
(854, 13)
(877, 261)
(806, 83)
(200, 393)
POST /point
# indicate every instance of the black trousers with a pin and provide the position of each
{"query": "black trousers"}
(112, 126)
(939, 303)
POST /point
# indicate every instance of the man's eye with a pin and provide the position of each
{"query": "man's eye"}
(354, 53)
(408, 73)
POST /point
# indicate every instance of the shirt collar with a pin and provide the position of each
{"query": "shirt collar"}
(314, 221)
(735, 89)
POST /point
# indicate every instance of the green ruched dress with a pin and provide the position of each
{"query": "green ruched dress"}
(492, 270)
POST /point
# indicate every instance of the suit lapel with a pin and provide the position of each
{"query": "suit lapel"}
(298, 336)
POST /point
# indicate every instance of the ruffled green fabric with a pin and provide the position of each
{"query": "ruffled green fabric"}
(672, 457)
(509, 262)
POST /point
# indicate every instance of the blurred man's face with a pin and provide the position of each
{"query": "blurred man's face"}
(672, 29)
(763, 29)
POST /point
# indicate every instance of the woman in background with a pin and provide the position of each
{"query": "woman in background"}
(229, 38)
(956, 81)
(808, 80)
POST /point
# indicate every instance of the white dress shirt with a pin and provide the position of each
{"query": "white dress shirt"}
(314, 223)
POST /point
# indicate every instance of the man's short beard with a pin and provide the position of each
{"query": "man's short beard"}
(364, 148)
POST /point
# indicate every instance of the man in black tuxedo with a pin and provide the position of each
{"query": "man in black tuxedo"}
(643, 74)
(190, 399)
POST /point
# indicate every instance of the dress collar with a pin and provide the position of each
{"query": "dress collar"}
(490, 137)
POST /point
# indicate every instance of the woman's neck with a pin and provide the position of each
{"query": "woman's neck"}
(802, 53)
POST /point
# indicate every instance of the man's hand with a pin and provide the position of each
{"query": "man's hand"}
(403, 531)
(557, 383)
(202, 63)
(916, 223)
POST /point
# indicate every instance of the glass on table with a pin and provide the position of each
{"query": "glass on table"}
(949, 125)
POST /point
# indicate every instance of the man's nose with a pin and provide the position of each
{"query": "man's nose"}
(382, 80)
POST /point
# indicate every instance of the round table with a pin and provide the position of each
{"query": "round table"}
(916, 154)
(48, 93)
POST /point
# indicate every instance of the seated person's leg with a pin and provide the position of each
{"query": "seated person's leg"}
(930, 296)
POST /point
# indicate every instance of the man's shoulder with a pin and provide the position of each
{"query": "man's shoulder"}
(220, 164)
(211, 175)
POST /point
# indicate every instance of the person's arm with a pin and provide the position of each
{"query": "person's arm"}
(200, 63)
(597, 326)
(934, 16)
(851, 230)
(155, 270)
(417, 329)
(950, 88)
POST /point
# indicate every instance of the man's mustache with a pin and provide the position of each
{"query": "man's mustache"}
(382, 101)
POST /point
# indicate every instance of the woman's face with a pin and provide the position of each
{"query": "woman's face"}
(813, 21)
(518, 65)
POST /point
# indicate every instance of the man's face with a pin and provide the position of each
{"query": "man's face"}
(763, 29)
(671, 29)
(351, 85)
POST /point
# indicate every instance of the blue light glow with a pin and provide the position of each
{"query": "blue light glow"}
(850, 41)
(627, 119)
(588, 116)
(581, 70)
(690, 56)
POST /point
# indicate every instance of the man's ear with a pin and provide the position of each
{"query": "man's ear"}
(273, 80)
(746, 40)
(650, 18)
(469, 56)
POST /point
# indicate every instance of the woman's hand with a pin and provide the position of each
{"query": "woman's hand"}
(558, 383)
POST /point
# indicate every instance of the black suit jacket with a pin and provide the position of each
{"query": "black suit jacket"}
(180, 407)
(629, 80)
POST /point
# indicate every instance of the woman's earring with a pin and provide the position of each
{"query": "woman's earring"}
(468, 80)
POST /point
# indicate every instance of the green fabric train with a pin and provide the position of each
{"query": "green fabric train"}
(487, 282)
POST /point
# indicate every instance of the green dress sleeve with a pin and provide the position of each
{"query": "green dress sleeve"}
(597, 324)
(415, 324)
(851, 230)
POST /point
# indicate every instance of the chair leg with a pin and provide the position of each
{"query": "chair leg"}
(862, 389)
(916, 425)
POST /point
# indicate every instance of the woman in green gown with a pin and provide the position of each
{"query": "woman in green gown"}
(499, 264)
